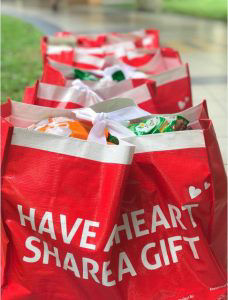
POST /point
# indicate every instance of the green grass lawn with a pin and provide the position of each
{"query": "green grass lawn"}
(213, 9)
(21, 57)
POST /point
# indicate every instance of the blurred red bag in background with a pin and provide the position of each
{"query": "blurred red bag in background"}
(146, 38)
(76, 96)
(173, 90)
(173, 87)
(151, 62)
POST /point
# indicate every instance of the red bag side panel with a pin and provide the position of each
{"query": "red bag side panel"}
(80, 190)
(219, 228)
(52, 76)
(174, 96)
(30, 93)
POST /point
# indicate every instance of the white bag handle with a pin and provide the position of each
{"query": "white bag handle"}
(101, 123)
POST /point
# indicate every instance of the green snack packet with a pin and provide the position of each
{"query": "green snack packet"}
(83, 75)
(147, 126)
(159, 125)
(176, 123)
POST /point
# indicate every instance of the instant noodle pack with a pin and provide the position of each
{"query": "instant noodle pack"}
(113, 185)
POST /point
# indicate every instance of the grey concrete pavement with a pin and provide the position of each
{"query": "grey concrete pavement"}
(201, 43)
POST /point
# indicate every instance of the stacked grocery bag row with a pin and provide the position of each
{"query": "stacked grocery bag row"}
(113, 184)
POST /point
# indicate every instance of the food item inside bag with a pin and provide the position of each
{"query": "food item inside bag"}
(105, 78)
(102, 79)
(158, 124)
(68, 127)
(83, 75)
(115, 72)
(118, 75)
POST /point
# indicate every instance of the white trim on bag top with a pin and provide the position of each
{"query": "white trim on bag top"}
(70, 94)
(58, 93)
(112, 105)
(118, 154)
(168, 141)
(29, 113)
(191, 114)
(115, 89)
(161, 79)
(89, 51)
(57, 49)
(62, 94)
(139, 94)
(89, 59)
(170, 75)
(153, 63)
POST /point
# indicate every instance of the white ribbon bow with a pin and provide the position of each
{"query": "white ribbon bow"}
(128, 71)
(103, 122)
(107, 80)
(91, 97)
(115, 122)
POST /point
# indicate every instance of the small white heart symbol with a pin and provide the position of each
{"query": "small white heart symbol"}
(147, 41)
(181, 104)
(186, 99)
(206, 185)
(194, 192)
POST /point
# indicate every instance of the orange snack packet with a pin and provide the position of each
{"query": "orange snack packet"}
(65, 127)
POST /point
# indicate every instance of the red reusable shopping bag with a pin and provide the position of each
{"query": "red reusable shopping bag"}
(50, 95)
(167, 217)
(60, 200)
(142, 92)
(213, 219)
(44, 94)
(52, 75)
(82, 61)
(199, 119)
(170, 213)
(69, 40)
(149, 61)
(173, 90)
(74, 55)
(146, 38)
(6, 134)
(153, 62)
(157, 250)
(173, 87)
